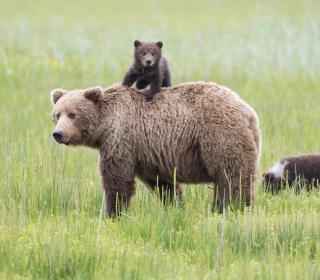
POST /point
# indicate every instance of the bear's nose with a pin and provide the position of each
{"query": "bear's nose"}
(57, 134)
(149, 61)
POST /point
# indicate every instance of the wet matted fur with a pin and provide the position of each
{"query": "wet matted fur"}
(203, 130)
(293, 169)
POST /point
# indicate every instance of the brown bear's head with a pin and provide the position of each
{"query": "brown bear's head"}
(147, 53)
(76, 115)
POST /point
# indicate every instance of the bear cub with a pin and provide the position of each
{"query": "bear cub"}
(304, 168)
(148, 67)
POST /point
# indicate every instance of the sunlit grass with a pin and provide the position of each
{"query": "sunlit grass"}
(52, 222)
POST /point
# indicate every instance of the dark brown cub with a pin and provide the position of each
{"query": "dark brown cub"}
(148, 67)
(293, 169)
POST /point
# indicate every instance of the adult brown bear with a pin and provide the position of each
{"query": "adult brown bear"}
(203, 130)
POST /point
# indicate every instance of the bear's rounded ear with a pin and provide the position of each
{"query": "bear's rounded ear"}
(56, 94)
(137, 43)
(94, 94)
(159, 44)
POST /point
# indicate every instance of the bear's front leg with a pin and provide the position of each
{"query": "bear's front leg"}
(155, 85)
(118, 184)
(130, 77)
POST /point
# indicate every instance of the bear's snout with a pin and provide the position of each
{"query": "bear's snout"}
(149, 61)
(57, 135)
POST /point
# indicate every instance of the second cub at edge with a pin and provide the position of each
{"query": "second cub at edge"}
(148, 67)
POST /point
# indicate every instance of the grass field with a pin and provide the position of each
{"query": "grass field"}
(52, 222)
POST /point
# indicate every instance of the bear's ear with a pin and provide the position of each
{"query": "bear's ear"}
(94, 94)
(137, 43)
(159, 44)
(56, 94)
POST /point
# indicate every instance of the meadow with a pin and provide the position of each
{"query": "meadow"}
(52, 221)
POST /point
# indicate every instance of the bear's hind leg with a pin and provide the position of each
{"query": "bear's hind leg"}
(237, 190)
(233, 170)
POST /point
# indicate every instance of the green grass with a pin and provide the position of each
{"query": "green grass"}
(52, 222)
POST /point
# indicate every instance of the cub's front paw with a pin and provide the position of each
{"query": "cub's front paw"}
(149, 99)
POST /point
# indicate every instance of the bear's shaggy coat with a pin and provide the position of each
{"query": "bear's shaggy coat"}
(293, 169)
(148, 67)
(203, 130)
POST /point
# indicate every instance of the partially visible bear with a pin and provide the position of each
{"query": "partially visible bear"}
(203, 130)
(293, 169)
(148, 67)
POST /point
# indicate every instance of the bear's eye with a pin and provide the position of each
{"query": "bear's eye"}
(58, 116)
(152, 54)
(144, 53)
(71, 116)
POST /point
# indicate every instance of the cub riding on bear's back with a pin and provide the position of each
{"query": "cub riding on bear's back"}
(148, 67)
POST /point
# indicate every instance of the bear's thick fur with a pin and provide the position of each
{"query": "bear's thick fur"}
(148, 67)
(293, 169)
(203, 130)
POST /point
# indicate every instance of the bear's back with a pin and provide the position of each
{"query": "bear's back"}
(206, 102)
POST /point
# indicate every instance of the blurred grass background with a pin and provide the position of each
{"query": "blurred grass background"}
(51, 225)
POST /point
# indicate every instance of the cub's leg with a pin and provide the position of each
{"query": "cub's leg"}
(130, 77)
(155, 84)
(166, 82)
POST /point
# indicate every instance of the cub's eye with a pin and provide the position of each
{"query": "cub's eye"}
(152, 54)
(144, 53)
(71, 116)
(58, 116)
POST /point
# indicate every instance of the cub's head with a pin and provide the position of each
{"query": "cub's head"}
(271, 182)
(76, 115)
(147, 53)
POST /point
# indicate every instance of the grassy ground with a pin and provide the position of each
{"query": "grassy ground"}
(52, 223)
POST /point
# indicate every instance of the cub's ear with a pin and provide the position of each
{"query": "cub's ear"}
(94, 94)
(137, 43)
(56, 94)
(268, 176)
(159, 44)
